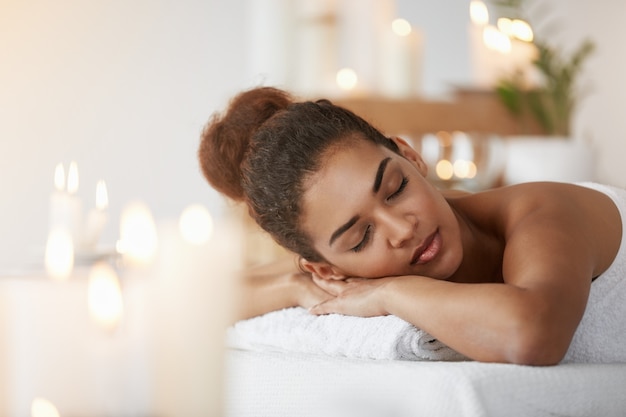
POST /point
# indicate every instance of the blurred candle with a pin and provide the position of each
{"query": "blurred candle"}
(194, 303)
(41, 407)
(75, 205)
(138, 236)
(483, 58)
(347, 79)
(500, 52)
(97, 217)
(316, 51)
(401, 66)
(58, 200)
(523, 51)
(59, 256)
(105, 296)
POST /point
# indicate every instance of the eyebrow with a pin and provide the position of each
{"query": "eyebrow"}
(377, 183)
(379, 174)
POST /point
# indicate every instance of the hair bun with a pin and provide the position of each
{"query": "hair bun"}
(226, 137)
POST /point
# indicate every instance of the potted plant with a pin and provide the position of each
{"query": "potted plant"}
(552, 103)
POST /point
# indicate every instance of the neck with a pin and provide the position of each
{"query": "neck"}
(483, 252)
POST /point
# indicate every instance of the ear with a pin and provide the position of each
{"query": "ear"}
(411, 154)
(322, 270)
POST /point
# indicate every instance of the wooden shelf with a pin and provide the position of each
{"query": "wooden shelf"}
(469, 111)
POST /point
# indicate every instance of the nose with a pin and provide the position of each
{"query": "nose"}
(400, 229)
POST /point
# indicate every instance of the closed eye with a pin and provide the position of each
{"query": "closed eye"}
(364, 241)
(398, 192)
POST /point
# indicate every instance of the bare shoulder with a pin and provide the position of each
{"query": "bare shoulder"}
(514, 203)
(584, 221)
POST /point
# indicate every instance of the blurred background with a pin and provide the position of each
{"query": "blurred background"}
(124, 88)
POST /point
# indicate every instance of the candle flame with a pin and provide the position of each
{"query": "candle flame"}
(347, 79)
(41, 407)
(59, 256)
(138, 236)
(464, 169)
(105, 300)
(102, 197)
(516, 28)
(59, 177)
(72, 178)
(496, 40)
(444, 169)
(505, 25)
(401, 27)
(479, 13)
(521, 30)
(196, 224)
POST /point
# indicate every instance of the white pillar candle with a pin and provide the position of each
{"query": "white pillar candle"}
(401, 60)
(75, 205)
(362, 26)
(57, 352)
(138, 235)
(59, 255)
(483, 42)
(97, 218)
(194, 303)
(315, 57)
(269, 41)
(58, 200)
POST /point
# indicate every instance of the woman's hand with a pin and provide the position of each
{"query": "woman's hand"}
(353, 296)
(308, 293)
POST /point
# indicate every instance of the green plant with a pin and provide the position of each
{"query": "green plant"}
(553, 103)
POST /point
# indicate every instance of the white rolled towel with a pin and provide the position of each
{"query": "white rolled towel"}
(296, 330)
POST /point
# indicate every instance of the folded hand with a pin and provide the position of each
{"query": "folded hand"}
(352, 296)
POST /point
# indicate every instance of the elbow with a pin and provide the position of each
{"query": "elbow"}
(537, 346)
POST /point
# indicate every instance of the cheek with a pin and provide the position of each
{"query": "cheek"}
(379, 262)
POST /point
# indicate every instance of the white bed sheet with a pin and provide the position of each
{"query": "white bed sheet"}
(276, 384)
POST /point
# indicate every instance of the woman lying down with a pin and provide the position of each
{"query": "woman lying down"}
(499, 276)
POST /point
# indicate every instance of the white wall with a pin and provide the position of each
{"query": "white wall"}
(124, 87)
(601, 118)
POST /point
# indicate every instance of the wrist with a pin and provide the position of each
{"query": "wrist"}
(391, 291)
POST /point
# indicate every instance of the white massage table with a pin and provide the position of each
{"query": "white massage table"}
(277, 384)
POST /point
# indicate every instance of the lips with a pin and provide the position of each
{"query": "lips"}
(427, 251)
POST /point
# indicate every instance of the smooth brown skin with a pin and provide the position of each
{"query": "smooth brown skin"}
(510, 278)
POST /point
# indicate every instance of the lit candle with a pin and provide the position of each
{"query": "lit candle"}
(401, 66)
(315, 47)
(138, 236)
(41, 407)
(58, 200)
(522, 52)
(105, 296)
(347, 80)
(484, 58)
(59, 252)
(74, 204)
(197, 277)
(500, 52)
(97, 218)
(59, 256)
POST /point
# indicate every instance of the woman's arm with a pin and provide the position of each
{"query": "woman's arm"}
(275, 286)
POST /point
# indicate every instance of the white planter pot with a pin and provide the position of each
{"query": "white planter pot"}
(537, 158)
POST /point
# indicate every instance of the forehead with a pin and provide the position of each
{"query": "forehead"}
(342, 185)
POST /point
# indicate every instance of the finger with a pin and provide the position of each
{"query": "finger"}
(356, 279)
(325, 307)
